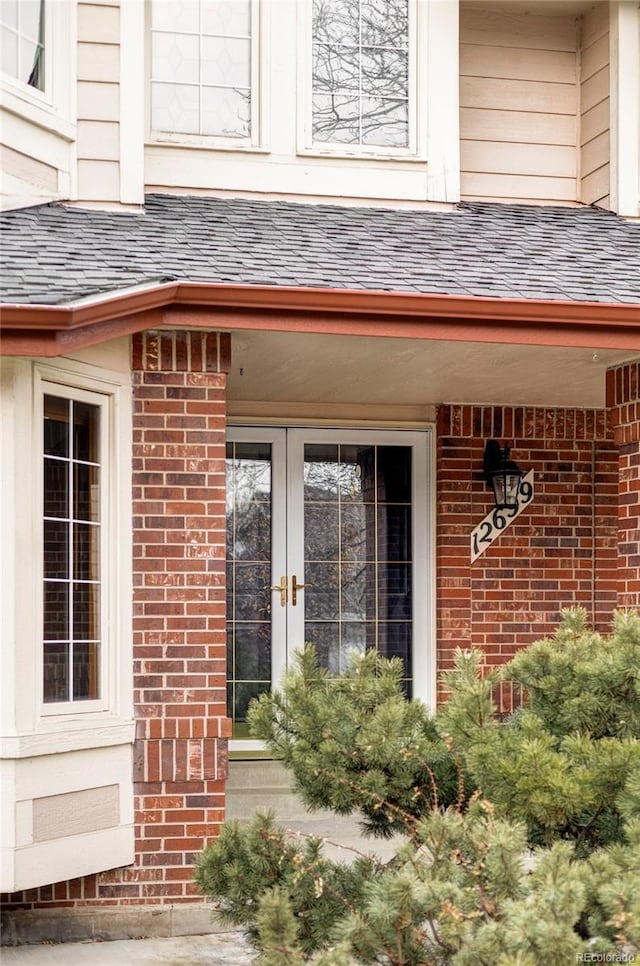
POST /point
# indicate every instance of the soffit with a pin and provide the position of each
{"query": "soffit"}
(311, 368)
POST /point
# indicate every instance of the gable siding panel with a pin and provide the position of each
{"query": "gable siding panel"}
(478, 26)
(483, 124)
(99, 140)
(507, 187)
(594, 121)
(540, 160)
(518, 106)
(517, 63)
(99, 62)
(98, 102)
(98, 21)
(99, 180)
(596, 186)
(594, 107)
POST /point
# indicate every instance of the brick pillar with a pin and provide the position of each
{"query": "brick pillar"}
(180, 755)
(623, 403)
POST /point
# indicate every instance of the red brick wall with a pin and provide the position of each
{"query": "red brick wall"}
(179, 643)
(560, 550)
(623, 401)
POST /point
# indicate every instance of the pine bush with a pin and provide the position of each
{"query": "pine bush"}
(522, 836)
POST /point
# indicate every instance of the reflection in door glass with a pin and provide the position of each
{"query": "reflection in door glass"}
(358, 552)
(248, 577)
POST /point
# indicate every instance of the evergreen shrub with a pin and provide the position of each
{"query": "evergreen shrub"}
(521, 835)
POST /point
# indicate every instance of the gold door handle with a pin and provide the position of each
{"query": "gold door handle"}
(295, 587)
(282, 587)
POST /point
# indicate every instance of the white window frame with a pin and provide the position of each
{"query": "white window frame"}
(416, 148)
(256, 139)
(109, 391)
(100, 402)
(53, 108)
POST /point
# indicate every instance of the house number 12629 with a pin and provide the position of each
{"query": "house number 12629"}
(498, 520)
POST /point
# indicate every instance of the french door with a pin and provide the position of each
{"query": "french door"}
(327, 542)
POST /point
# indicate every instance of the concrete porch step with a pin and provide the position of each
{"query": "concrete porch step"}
(258, 773)
(262, 785)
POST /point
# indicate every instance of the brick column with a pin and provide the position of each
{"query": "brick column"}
(623, 403)
(180, 756)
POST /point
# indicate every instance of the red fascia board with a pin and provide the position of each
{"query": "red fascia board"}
(57, 329)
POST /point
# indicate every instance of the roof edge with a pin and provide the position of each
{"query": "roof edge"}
(54, 329)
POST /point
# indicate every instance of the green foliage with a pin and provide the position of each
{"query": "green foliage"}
(561, 775)
(459, 894)
(245, 863)
(354, 742)
(568, 763)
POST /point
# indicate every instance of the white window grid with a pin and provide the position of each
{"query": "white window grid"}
(72, 395)
(252, 89)
(350, 92)
(416, 99)
(19, 33)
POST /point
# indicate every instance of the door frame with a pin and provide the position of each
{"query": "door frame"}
(287, 457)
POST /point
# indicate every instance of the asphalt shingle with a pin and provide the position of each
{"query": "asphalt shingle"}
(52, 254)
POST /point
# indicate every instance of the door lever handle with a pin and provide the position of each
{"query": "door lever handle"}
(295, 587)
(284, 592)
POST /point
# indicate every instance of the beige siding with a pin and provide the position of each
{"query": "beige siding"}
(42, 176)
(518, 106)
(594, 107)
(98, 101)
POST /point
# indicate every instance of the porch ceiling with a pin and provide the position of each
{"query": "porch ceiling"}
(311, 368)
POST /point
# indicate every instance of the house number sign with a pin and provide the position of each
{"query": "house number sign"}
(498, 520)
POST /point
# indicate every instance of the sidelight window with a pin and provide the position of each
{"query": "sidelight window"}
(73, 479)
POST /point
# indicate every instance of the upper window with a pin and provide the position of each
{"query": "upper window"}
(360, 87)
(201, 67)
(73, 427)
(23, 30)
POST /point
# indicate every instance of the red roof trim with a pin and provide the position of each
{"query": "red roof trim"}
(53, 329)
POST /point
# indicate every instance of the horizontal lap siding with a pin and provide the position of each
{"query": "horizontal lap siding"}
(518, 106)
(98, 101)
(594, 108)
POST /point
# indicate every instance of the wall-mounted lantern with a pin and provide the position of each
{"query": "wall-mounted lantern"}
(502, 475)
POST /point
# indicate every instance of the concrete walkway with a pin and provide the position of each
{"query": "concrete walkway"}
(215, 949)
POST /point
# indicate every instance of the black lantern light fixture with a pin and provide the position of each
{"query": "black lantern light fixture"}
(502, 475)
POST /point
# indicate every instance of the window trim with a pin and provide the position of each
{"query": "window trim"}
(416, 148)
(256, 141)
(45, 46)
(53, 108)
(102, 402)
(109, 391)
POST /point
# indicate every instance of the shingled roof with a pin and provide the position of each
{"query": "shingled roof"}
(53, 254)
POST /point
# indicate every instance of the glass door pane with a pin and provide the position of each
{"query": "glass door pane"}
(248, 575)
(351, 544)
(256, 621)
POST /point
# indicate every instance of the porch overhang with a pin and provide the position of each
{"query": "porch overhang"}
(53, 330)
